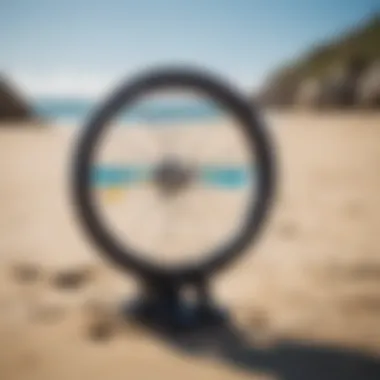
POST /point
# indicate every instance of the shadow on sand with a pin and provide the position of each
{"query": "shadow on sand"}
(286, 360)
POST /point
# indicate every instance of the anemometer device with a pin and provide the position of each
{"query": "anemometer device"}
(172, 180)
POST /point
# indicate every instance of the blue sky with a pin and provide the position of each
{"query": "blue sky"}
(82, 47)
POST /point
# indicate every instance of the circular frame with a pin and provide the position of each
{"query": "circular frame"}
(257, 139)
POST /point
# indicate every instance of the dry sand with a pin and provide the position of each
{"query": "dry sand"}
(314, 276)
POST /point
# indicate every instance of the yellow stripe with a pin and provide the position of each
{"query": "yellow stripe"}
(113, 194)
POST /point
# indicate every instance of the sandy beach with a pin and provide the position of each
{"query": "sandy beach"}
(308, 294)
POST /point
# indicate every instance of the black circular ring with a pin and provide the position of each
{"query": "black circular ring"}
(257, 138)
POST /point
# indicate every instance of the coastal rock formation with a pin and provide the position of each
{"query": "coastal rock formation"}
(342, 74)
(12, 106)
(369, 87)
(310, 93)
(279, 90)
(342, 83)
(339, 88)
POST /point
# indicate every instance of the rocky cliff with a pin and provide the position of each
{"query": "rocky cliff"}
(12, 106)
(342, 73)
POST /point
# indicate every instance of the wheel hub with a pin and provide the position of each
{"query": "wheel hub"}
(171, 176)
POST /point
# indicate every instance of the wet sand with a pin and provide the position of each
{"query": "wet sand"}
(313, 278)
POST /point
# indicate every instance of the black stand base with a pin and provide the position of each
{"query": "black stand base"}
(166, 308)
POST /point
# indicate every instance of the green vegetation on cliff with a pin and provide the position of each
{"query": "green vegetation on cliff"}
(361, 44)
(352, 53)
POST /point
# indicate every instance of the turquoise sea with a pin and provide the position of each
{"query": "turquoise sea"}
(79, 110)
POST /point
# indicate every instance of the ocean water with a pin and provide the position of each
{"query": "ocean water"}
(78, 111)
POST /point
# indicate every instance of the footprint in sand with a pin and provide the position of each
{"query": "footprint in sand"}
(104, 320)
(47, 312)
(26, 273)
(39, 304)
(72, 279)
(288, 229)
(101, 321)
